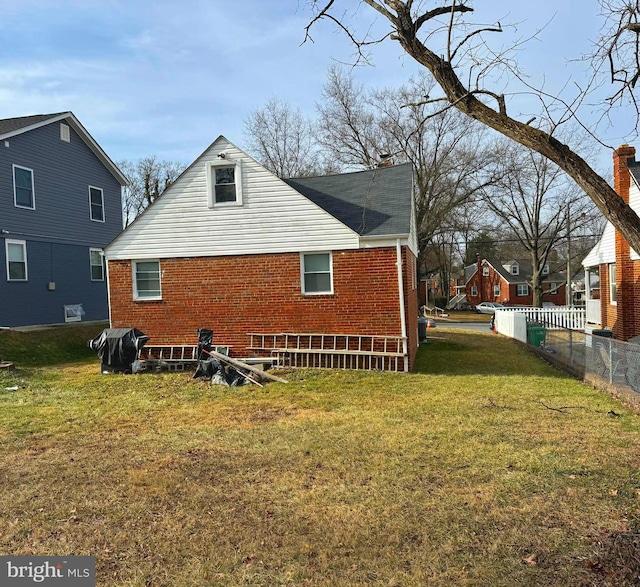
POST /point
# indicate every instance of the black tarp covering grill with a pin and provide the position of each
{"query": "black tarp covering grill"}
(118, 348)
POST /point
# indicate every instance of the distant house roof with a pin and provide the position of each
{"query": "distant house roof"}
(371, 203)
(524, 273)
(10, 127)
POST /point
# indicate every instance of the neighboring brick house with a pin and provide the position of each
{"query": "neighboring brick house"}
(508, 283)
(231, 247)
(617, 264)
(60, 205)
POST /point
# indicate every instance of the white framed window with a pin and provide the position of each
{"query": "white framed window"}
(224, 183)
(545, 270)
(96, 264)
(24, 193)
(65, 133)
(146, 280)
(316, 273)
(73, 313)
(613, 292)
(496, 291)
(515, 269)
(96, 204)
(485, 271)
(474, 290)
(16, 253)
(553, 286)
(522, 289)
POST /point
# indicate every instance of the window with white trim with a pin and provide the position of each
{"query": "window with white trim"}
(16, 254)
(485, 271)
(522, 289)
(496, 291)
(317, 273)
(24, 194)
(545, 270)
(224, 183)
(515, 269)
(96, 264)
(146, 280)
(552, 287)
(96, 204)
(474, 290)
(613, 292)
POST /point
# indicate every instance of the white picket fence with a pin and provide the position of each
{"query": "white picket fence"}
(557, 317)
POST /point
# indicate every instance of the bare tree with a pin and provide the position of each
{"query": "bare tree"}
(148, 178)
(282, 139)
(450, 152)
(535, 200)
(443, 40)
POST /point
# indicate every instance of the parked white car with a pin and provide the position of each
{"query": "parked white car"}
(488, 307)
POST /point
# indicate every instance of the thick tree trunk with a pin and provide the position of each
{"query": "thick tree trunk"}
(603, 195)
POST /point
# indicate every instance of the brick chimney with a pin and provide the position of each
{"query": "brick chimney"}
(627, 323)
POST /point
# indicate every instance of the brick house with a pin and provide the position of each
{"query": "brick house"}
(231, 247)
(508, 283)
(618, 265)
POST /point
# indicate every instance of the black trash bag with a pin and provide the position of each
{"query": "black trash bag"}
(205, 342)
(219, 373)
(118, 348)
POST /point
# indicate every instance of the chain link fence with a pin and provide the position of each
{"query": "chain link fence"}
(602, 361)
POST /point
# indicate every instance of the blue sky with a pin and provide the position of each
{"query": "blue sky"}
(166, 78)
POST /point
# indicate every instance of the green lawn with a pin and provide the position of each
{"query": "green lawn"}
(485, 467)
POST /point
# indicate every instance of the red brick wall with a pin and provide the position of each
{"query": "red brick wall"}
(626, 323)
(261, 293)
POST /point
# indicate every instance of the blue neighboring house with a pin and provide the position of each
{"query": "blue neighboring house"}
(60, 205)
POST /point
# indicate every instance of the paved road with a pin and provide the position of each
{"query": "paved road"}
(479, 326)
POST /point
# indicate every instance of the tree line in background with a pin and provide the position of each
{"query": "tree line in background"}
(475, 192)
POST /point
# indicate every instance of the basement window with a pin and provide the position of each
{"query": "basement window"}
(146, 280)
(224, 183)
(317, 273)
(73, 313)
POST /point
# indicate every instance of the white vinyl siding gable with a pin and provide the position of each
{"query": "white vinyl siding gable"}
(273, 218)
(634, 202)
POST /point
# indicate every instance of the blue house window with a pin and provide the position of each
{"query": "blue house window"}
(97, 266)
(96, 204)
(23, 190)
(16, 260)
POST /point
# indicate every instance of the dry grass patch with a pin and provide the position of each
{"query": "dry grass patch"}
(485, 467)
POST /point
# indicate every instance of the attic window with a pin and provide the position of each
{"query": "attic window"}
(515, 269)
(224, 183)
(485, 271)
(545, 270)
(65, 133)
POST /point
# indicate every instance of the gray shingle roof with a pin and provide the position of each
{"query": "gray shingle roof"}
(12, 124)
(375, 202)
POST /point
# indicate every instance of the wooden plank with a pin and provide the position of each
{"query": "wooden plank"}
(242, 365)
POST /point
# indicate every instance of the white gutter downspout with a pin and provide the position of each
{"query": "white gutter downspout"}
(403, 320)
